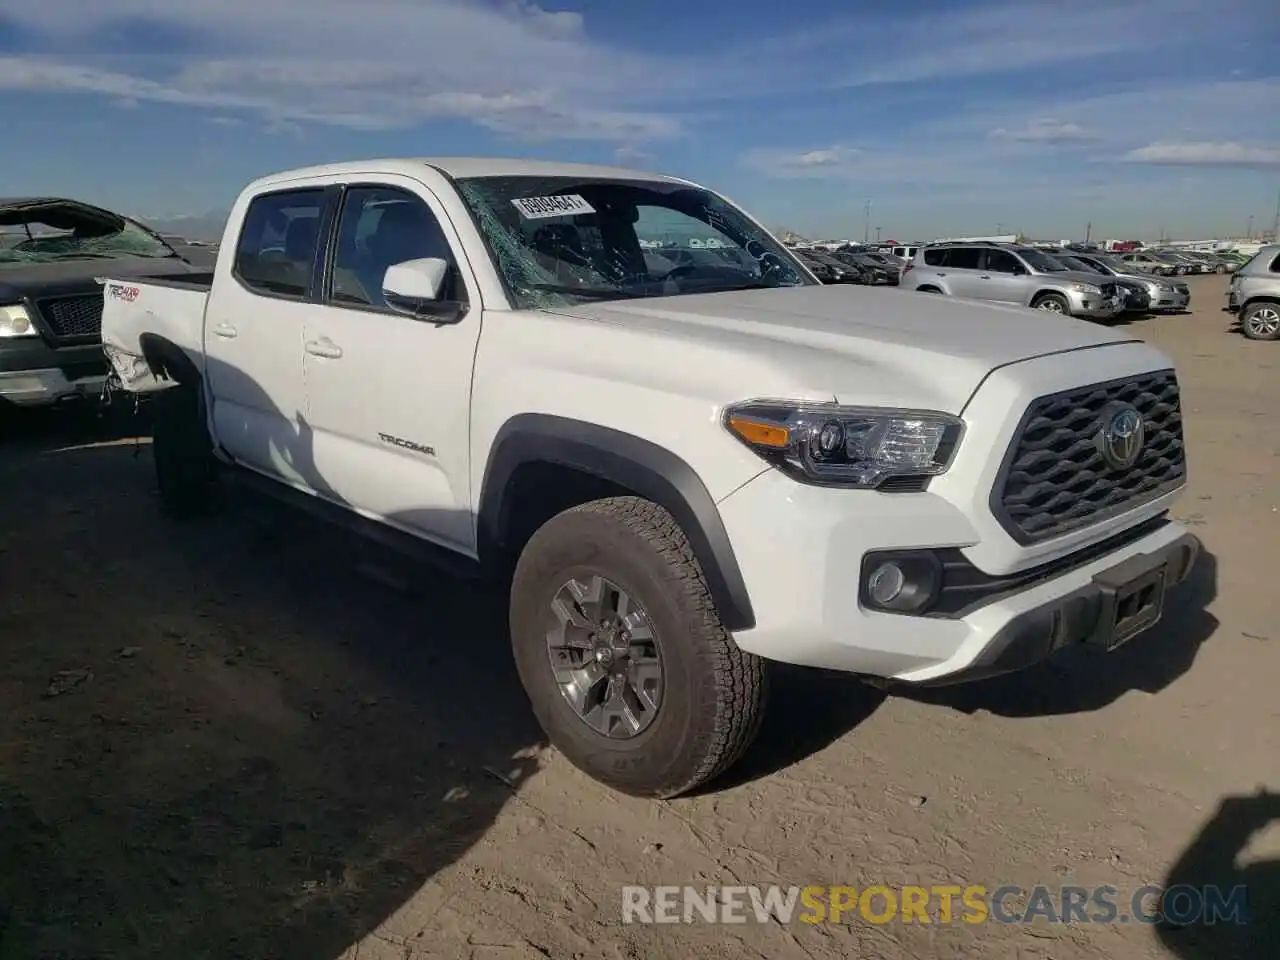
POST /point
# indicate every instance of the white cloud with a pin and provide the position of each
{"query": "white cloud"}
(515, 67)
(1046, 130)
(825, 163)
(1205, 153)
(526, 69)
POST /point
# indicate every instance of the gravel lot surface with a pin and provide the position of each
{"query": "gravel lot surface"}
(246, 739)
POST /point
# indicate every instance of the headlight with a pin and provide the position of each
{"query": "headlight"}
(1086, 288)
(14, 322)
(831, 445)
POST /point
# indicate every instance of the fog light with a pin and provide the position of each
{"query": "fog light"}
(905, 581)
(885, 583)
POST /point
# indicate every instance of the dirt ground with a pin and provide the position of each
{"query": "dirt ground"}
(240, 739)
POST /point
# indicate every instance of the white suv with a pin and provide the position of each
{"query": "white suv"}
(684, 468)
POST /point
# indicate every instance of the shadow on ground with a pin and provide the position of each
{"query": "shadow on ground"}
(1078, 680)
(222, 740)
(811, 709)
(1213, 861)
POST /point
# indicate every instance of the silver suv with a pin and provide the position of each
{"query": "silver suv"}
(1254, 295)
(1008, 273)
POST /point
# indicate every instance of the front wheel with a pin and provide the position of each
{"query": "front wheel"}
(1053, 303)
(620, 649)
(1261, 321)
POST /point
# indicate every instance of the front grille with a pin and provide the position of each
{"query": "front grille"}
(73, 317)
(1182, 288)
(1055, 479)
(1108, 291)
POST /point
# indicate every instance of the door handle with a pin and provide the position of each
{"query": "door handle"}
(942, 273)
(324, 347)
(225, 331)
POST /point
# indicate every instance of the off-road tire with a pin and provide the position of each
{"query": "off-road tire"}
(713, 693)
(186, 469)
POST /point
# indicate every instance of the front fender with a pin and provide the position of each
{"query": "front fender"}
(629, 461)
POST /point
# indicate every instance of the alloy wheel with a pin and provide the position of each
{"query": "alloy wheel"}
(605, 656)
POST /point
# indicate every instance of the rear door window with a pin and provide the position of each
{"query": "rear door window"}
(276, 252)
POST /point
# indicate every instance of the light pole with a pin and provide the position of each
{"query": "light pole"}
(866, 222)
(878, 231)
(1248, 234)
(999, 229)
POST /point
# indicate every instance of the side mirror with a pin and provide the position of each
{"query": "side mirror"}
(414, 287)
(1019, 270)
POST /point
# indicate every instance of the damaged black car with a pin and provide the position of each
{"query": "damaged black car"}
(51, 251)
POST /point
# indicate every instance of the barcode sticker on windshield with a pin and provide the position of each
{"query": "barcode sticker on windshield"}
(563, 205)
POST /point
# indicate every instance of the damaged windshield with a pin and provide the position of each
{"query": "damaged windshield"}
(561, 240)
(52, 231)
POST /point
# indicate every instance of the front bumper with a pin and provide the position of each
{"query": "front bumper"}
(802, 551)
(1177, 300)
(34, 374)
(1233, 301)
(1093, 307)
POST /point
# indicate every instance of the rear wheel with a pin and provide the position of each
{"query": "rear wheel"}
(1261, 321)
(186, 469)
(1052, 303)
(625, 661)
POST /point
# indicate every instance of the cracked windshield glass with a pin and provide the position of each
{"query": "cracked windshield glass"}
(561, 240)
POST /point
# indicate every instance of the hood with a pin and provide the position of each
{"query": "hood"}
(1142, 278)
(1080, 276)
(858, 345)
(19, 281)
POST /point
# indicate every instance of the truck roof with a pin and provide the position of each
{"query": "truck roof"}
(465, 167)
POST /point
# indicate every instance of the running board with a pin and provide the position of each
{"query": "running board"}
(404, 545)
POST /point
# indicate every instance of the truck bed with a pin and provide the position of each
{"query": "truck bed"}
(171, 308)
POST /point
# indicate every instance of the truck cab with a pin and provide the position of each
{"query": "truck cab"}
(682, 467)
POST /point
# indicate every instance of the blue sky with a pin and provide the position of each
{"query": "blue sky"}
(949, 117)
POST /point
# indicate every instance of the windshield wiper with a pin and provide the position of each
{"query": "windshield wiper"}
(589, 293)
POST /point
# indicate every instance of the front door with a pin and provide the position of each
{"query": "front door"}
(1000, 277)
(389, 395)
(254, 331)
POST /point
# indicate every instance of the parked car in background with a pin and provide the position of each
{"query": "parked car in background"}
(820, 268)
(1213, 262)
(1165, 293)
(1008, 273)
(836, 271)
(1183, 259)
(1146, 262)
(50, 301)
(1137, 297)
(876, 271)
(1254, 295)
(916, 489)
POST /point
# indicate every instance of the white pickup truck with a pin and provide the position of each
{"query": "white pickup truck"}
(621, 391)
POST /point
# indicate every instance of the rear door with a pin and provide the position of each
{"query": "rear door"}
(389, 395)
(254, 323)
(962, 273)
